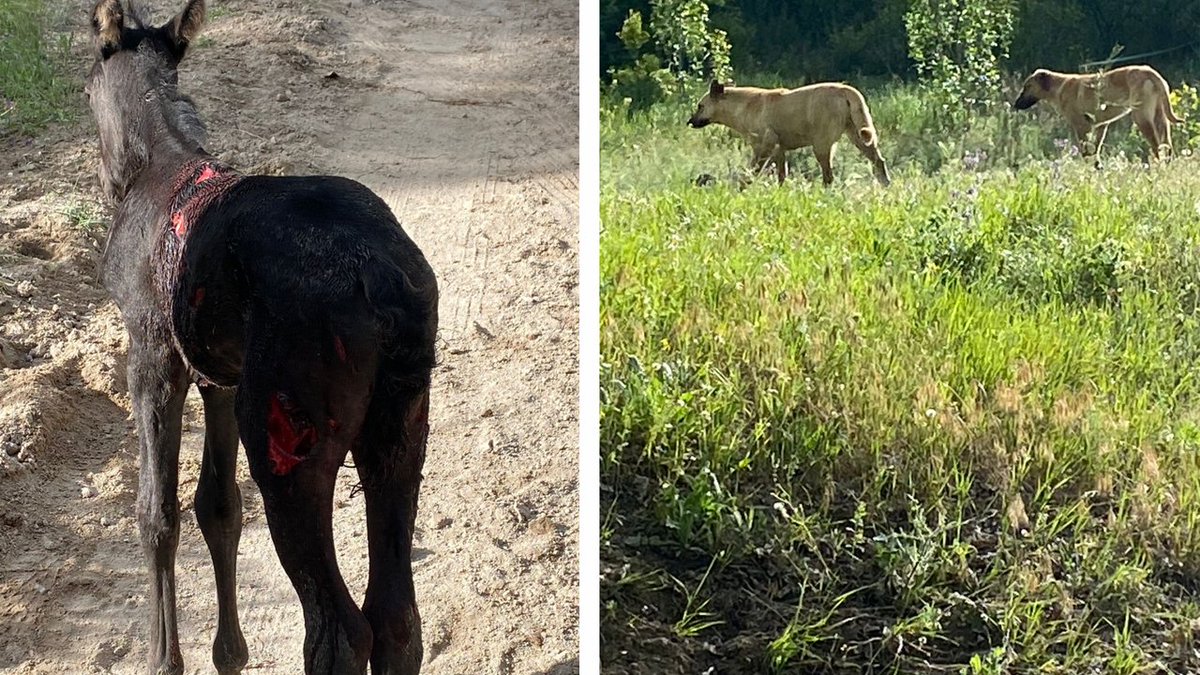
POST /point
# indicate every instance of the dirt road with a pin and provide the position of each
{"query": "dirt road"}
(463, 115)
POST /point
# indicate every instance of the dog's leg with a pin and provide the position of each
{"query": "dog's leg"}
(1083, 132)
(824, 154)
(759, 161)
(389, 462)
(219, 513)
(158, 386)
(1146, 127)
(1164, 135)
(1162, 132)
(769, 148)
(779, 157)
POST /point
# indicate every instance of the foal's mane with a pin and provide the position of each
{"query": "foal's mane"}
(178, 109)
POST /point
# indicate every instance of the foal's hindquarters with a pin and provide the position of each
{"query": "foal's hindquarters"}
(308, 296)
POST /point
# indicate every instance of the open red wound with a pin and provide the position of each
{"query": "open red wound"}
(289, 439)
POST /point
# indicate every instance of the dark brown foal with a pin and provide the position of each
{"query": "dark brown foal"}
(307, 318)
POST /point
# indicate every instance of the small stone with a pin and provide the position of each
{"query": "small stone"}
(105, 521)
(88, 491)
(443, 523)
(542, 526)
(282, 96)
(25, 288)
(488, 413)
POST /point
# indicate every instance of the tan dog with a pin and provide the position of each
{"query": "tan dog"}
(774, 121)
(1092, 102)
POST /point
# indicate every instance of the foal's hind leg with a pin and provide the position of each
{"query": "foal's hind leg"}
(389, 464)
(219, 513)
(158, 386)
(297, 418)
(337, 639)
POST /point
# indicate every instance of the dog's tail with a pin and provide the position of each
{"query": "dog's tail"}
(1166, 106)
(860, 117)
(1156, 88)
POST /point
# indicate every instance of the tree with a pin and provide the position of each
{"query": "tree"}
(680, 49)
(958, 46)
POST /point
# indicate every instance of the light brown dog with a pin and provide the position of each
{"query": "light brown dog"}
(774, 121)
(1092, 102)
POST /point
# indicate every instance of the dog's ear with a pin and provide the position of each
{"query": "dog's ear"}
(716, 89)
(186, 26)
(108, 20)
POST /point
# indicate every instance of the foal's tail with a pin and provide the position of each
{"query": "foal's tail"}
(402, 298)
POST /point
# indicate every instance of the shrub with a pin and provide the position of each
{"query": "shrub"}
(957, 46)
(681, 49)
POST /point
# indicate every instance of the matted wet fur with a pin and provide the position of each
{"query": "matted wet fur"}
(307, 318)
(774, 121)
(1092, 102)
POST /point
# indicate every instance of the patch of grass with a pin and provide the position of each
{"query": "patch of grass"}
(85, 216)
(950, 426)
(34, 88)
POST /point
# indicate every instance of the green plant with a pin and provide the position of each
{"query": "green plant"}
(680, 49)
(957, 46)
(87, 217)
(695, 619)
(33, 89)
(1185, 101)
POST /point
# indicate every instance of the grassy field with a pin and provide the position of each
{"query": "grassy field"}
(34, 89)
(948, 427)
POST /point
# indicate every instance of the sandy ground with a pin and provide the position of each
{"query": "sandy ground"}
(463, 115)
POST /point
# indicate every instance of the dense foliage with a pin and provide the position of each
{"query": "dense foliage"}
(819, 39)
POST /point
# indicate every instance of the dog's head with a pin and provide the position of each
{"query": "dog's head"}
(707, 106)
(1036, 87)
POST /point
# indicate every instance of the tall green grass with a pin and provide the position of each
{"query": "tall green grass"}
(34, 88)
(950, 426)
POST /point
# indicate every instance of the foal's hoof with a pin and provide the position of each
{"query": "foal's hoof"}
(704, 180)
(229, 653)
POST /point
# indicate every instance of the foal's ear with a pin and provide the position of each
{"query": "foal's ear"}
(716, 89)
(186, 26)
(108, 19)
